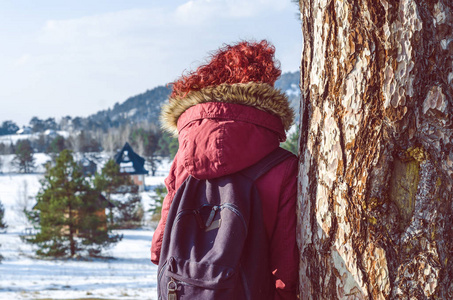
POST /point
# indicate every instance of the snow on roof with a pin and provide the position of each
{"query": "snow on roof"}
(24, 130)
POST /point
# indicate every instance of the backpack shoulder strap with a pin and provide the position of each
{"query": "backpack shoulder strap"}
(264, 165)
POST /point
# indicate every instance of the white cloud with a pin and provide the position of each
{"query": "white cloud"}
(22, 60)
(201, 10)
(105, 58)
(153, 36)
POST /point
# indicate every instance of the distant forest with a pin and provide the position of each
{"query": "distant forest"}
(136, 120)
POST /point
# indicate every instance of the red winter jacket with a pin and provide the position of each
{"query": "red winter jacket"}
(222, 137)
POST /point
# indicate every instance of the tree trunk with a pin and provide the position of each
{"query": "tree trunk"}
(376, 150)
(72, 232)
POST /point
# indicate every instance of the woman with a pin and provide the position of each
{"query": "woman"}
(228, 116)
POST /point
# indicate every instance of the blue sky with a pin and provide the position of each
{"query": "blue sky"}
(77, 57)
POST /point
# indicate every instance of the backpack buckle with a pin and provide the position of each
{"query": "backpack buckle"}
(211, 216)
(172, 286)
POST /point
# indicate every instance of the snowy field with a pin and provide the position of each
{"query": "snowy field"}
(13, 138)
(128, 274)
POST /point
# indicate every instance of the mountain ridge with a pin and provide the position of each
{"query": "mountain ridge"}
(143, 108)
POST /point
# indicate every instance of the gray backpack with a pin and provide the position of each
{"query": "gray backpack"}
(214, 244)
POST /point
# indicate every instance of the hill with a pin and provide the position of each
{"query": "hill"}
(141, 109)
(145, 107)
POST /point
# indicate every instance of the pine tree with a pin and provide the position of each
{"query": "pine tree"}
(56, 145)
(146, 141)
(24, 159)
(110, 181)
(130, 212)
(2, 222)
(69, 213)
(2, 215)
(8, 127)
(292, 144)
(159, 196)
(168, 145)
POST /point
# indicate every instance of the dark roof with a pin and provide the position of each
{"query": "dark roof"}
(101, 199)
(88, 166)
(129, 161)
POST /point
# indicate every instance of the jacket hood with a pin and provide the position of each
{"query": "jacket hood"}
(217, 139)
(258, 95)
(226, 128)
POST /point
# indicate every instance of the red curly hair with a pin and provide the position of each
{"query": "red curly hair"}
(240, 63)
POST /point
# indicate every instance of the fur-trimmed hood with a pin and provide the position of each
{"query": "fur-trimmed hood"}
(216, 124)
(258, 95)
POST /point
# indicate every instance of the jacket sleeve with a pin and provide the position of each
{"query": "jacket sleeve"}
(284, 252)
(158, 235)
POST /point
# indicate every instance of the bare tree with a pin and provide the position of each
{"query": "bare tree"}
(23, 202)
(376, 150)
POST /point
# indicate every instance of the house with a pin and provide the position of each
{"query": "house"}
(24, 130)
(89, 167)
(50, 133)
(132, 164)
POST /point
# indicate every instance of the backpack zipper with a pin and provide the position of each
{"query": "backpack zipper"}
(182, 213)
(161, 272)
(245, 283)
(235, 210)
(159, 277)
(214, 208)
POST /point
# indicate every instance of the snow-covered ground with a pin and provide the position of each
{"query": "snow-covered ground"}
(129, 274)
(13, 138)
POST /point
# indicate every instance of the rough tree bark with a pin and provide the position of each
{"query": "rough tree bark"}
(376, 150)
